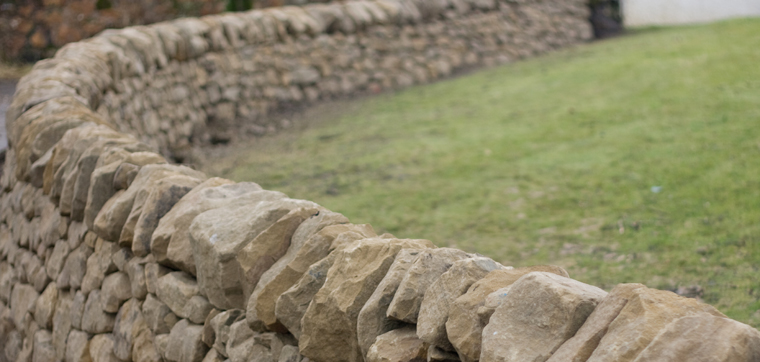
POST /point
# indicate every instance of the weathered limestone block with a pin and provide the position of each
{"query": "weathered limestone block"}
(161, 199)
(273, 282)
(184, 344)
(213, 356)
(115, 291)
(99, 264)
(44, 307)
(78, 347)
(50, 219)
(372, 320)
(54, 264)
(112, 218)
(121, 257)
(398, 345)
(704, 337)
(239, 346)
(8, 279)
(101, 348)
(218, 235)
(43, 346)
(64, 178)
(23, 299)
(153, 272)
(430, 265)
(103, 178)
(62, 323)
(175, 290)
(170, 242)
(138, 283)
(330, 319)
(74, 268)
(94, 319)
(434, 310)
(312, 241)
(197, 309)
(77, 309)
(158, 316)
(220, 329)
(541, 311)
(85, 166)
(128, 326)
(267, 248)
(468, 314)
(626, 322)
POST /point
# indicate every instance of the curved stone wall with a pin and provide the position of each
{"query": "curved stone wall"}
(108, 252)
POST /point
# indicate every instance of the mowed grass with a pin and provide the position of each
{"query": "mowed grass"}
(630, 160)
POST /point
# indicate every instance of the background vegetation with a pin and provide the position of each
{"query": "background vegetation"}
(629, 160)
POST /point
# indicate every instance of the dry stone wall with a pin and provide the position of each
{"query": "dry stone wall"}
(109, 252)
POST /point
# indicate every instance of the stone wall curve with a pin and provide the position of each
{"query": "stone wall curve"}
(110, 252)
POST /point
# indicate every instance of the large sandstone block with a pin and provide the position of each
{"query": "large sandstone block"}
(175, 290)
(170, 242)
(372, 320)
(116, 290)
(101, 348)
(329, 325)
(269, 246)
(704, 337)
(44, 307)
(22, 301)
(62, 323)
(78, 347)
(102, 179)
(426, 269)
(398, 345)
(112, 218)
(541, 311)
(626, 322)
(218, 235)
(434, 310)
(94, 319)
(99, 264)
(309, 243)
(159, 318)
(185, 344)
(468, 314)
(166, 192)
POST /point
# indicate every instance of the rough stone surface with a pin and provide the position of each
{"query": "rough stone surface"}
(158, 316)
(218, 235)
(101, 348)
(62, 323)
(44, 307)
(704, 337)
(398, 345)
(468, 314)
(74, 268)
(426, 269)
(330, 319)
(184, 344)
(434, 310)
(523, 330)
(372, 320)
(78, 347)
(220, 326)
(160, 200)
(94, 319)
(170, 243)
(115, 291)
(269, 246)
(175, 290)
(645, 313)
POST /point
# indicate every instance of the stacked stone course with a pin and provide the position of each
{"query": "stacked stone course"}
(108, 252)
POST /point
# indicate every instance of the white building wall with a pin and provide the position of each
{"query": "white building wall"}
(667, 12)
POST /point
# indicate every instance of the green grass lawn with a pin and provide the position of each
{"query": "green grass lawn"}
(558, 160)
